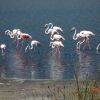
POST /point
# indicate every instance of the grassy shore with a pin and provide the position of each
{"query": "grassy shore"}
(21, 89)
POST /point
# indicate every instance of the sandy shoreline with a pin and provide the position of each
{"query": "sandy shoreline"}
(23, 89)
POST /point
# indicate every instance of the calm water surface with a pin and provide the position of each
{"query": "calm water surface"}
(30, 16)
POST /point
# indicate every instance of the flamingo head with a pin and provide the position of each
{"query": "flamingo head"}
(30, 36)
(50, 23)
(73, 28)
(61, 44)
(46, 25)
(50, 43)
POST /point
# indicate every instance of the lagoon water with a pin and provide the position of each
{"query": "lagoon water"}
(30, 16)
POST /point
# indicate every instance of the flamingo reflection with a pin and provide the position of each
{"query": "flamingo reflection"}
(56, 68)
(21, 66)
(86, 66)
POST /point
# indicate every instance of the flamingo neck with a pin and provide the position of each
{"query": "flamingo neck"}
(11, 35)
(31, 47)
(98, 47)
(53, 46)
(51, 26)
(46, 31)
(8, 32)
(51, 37)
(74, 36)
(28, 46)
(19, 37)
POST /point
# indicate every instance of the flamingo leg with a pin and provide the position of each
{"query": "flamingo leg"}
(54, 50)
(22, 43)
(58, 51)
(77, 45)
(81, 43)
(89, 44)
(38, 50)
(14, 40)
(17, 43)
(26, 48)
(2, 52)
(85, 44)
(33, 48)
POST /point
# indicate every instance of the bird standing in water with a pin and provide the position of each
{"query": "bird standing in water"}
(56, 45)
(2, 47)
(85, 35)
(34, 43)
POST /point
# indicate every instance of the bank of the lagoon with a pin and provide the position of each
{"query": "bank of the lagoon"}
(22, 89)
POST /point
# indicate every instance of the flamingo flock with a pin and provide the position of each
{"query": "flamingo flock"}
(56, 38)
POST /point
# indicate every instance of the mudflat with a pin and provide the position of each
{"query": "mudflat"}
(24, 89)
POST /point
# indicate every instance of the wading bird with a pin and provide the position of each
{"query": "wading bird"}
(49, 30)
(3, 47)
(56, 45)
(55, 27)
(82, 35)
(57, 37)
(34, 44)
(14, 33)
(24, 36)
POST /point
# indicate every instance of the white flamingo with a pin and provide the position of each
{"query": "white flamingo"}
(14, 33)
(33, 43)
(56, 27)
(82, 35)
(3, 47)
(49, 30)
(56, 44)
(57, 37)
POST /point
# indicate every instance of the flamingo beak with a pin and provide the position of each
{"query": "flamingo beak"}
(45, 25)
(30, 37)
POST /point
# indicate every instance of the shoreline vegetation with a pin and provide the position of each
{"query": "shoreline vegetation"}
(48, 89)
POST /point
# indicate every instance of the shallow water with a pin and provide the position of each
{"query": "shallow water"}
(30, 16)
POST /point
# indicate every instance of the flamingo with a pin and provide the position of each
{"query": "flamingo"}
(82, 35)
(13, 33)
(57, 37)
(3, 47)
(33, 43)
(97, 48)
(24, 36)
(49, 30)
(57, 45)
(56, 27)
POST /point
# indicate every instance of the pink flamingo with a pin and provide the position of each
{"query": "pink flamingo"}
(82, 35)
(49, 30)
(57, 37)
(57, 45)
(56, 27)
(14, 33)
(34, 43)
(24, 36)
